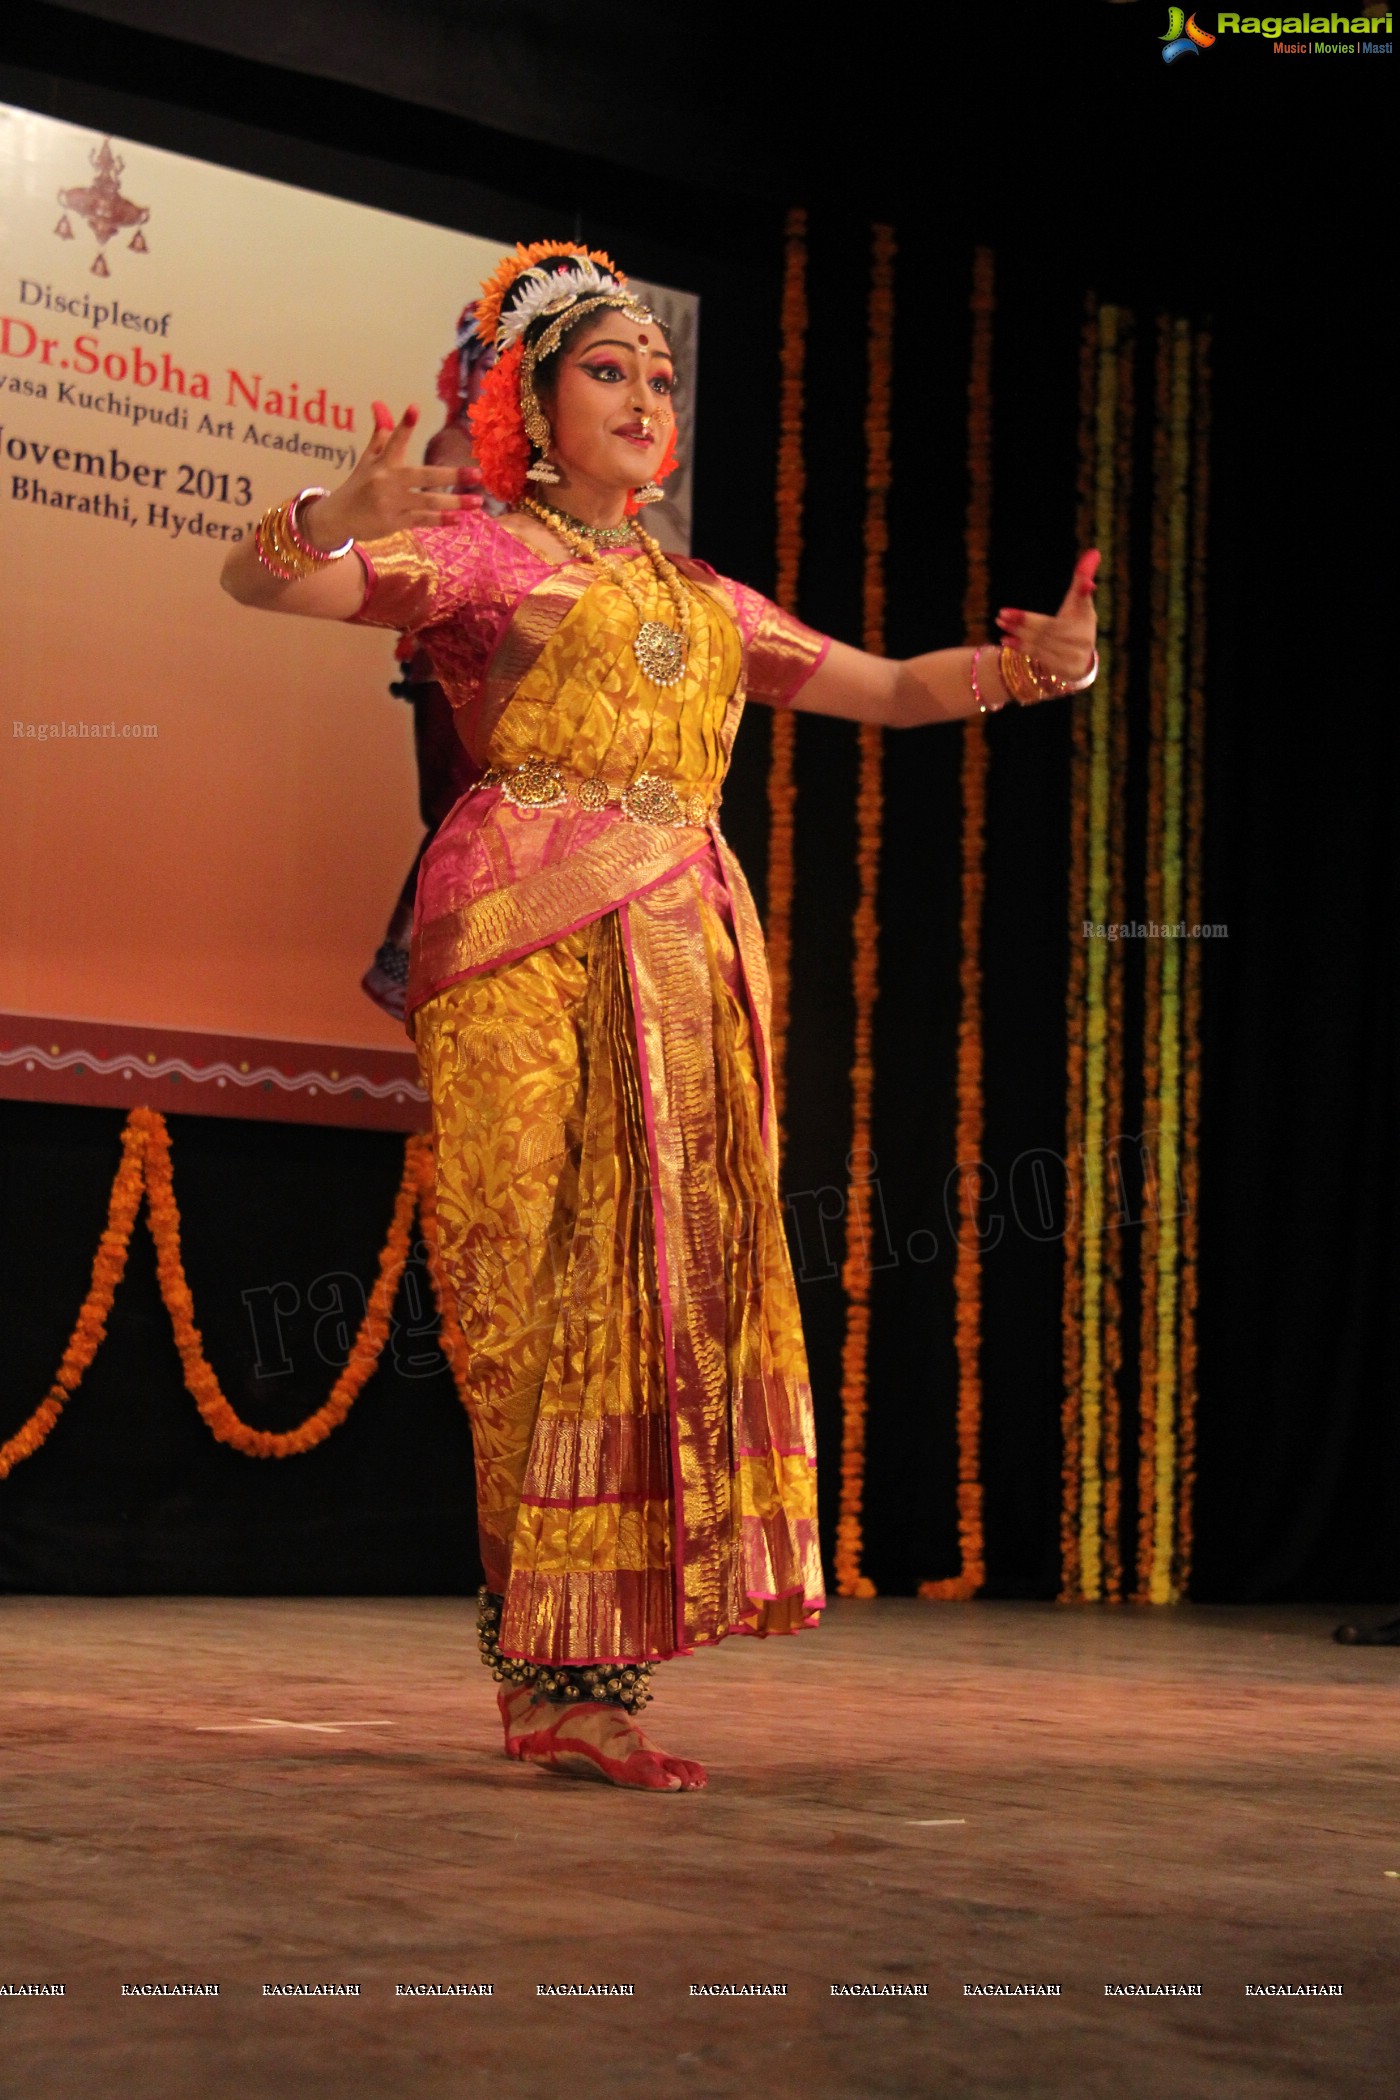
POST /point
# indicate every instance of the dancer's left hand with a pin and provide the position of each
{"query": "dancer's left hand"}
(1062, 642)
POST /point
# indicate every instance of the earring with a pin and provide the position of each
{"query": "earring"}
(542, 471)
(649, 492)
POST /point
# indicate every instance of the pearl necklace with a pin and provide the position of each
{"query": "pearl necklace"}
(660, 649)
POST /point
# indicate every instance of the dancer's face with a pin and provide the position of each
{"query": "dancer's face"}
(612, 374)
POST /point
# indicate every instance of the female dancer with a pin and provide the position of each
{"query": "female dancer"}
(588, 995)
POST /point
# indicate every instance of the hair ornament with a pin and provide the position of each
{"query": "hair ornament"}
(570, 261)
(557, 284)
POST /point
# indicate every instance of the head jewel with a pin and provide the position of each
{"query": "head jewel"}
(553, 281)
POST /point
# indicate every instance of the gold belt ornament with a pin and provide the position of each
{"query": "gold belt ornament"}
(539, 783)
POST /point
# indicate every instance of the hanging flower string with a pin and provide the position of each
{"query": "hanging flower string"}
(1174, 356)
(782, 785)
(1072, 1305)
(90, 1328)
(967, 1272)
(855, 1274)
(1115, 616)
(146, 1169)
(1191, 1008)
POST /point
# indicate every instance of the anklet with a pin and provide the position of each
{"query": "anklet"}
(613, 1684)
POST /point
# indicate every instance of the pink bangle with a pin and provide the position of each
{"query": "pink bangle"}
(983, 707)
(294, 528)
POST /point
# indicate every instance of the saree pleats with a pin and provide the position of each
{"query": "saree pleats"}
(640, 1407)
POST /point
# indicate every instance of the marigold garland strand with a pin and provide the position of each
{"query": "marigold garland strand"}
(1192, 991)
(1158, 1548)
(855, 1274)
(1152, 981)
(967, 1273)
(146, 1169)
(1072, 1309)
(90, 1328)
(1091, 1478)
(782, 784)
(1117, 615)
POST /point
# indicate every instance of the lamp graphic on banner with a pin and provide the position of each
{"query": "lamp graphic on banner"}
(102, 206)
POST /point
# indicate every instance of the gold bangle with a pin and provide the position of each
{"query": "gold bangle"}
(1019, 675)
(1027, 680)
(276, 549)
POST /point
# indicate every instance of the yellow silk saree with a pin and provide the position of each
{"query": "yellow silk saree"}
(588, 995)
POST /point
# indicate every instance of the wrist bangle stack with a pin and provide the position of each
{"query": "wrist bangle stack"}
(282, 546)
(1028, 681)
(984, 707)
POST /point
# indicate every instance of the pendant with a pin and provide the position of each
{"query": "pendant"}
(660, 650)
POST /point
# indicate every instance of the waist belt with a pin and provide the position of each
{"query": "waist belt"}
(649, 798)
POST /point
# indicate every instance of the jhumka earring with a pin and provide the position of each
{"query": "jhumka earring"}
(649, 492)
(537, 430)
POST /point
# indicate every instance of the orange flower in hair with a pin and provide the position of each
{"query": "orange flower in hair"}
(498, 429)
(495, 287)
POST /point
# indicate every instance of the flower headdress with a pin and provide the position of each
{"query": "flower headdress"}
(558, 283)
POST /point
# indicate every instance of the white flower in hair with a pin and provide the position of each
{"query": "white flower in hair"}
(543, 290)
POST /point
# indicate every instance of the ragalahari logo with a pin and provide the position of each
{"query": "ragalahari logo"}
(1182, 35)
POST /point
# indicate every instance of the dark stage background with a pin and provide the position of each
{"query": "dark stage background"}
(1246, 196)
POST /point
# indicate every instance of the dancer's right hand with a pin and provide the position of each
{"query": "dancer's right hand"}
(387, 492)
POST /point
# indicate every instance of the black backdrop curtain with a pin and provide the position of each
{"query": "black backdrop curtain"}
(1297, 1479)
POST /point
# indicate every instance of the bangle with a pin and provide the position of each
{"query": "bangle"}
(282, 549)
(984, 707)
(294, 527)
(1028, 681)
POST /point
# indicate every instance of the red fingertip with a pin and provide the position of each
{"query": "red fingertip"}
(410, 415)
(382, 418)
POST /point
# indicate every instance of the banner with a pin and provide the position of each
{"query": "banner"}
(206, 813)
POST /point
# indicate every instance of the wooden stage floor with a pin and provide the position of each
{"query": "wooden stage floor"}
(253, 1792)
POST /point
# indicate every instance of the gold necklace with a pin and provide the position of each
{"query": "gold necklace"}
(623, 535)
(660, 649)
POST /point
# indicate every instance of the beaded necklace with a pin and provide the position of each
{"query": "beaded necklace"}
(660, 648)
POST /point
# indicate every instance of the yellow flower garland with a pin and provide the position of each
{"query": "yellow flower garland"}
(855, 1274)
(1092, 1470)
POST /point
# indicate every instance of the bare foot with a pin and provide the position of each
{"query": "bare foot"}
(591, 1740)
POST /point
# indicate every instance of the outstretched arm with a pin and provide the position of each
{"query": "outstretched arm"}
(938, 687)
(383, 494)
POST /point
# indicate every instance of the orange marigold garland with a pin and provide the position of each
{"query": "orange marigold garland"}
(1072, 1309)
(967, 1275)
(498, 433)
(1153, 1195)
(163, 1218)
(855, 1275)
(108, 1268)
(145, 1168)
(1192, 1000)
(782, 784)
